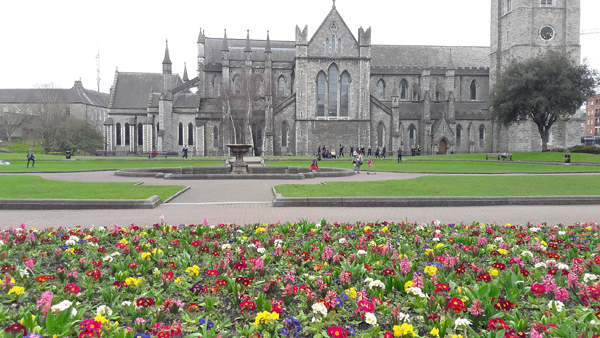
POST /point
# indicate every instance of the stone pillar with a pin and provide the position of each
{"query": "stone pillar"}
(200, 139)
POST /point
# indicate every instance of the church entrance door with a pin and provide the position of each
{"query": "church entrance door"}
(443, 147)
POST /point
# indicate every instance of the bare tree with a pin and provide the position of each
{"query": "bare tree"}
(51, 112)
(10, 122)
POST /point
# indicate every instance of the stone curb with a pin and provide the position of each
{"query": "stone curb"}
(437, 201)
(72, 204)
(178, 194)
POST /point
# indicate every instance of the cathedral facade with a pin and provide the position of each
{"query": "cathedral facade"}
(334, 87)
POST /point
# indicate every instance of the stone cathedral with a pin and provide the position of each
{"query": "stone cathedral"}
(335, 87)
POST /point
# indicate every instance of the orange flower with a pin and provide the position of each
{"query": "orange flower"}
(318, 267)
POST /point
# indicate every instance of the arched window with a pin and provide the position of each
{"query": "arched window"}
(403, 89)
(321, 94)
(284, 134)
(482, 135)
(259, 139)
(380, 134)
(237, 86)
(326, 45)
(333, 90)
(339, 45)
(412, 135)
(190, 134)
(281, 86)
(118, 134)
(381, 90)
(216, 88)
(333, 43)
(473, 90)
(508, 6)
(157, 126)
(458, 135)
(180, 133)
(140, 135)
(344, 94)
(127, 134)
(215, 137)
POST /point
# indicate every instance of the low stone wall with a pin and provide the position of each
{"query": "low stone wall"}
(55, 204)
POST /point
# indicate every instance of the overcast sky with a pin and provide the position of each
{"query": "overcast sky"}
(57, 41)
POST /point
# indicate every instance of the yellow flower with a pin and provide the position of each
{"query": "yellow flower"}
(101, 319)
(367, 229)
(427, 251)
(430, 270)
(544, 243)
(351, 292)
(456, 336)
(459, 289)
(146, 255)
(244, 237)
(384, 229)
(260, 230)
(17, 290)
(23, 320)
(491, 247)
(124, 241)
(493, 272)
(502, 251)
(194, 270)
(155, 251)
(132, 281)
(71, 251)
(435, 332)
(178, 280)
(265, 318)
(142, 234)
(588, 228)
(407, 285)
(439, 245)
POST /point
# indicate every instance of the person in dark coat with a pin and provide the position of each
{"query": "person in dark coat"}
(341, 150)
(362, 150)
(377, 152)
(185, 151)
(383, 152)
(399, 155)
(369, 153)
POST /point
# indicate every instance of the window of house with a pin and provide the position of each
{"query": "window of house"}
(118, 134)
(508, 6)
(321, 94)
(215, 137)
(339, 45)
(140, 136)
(546, 2)
(345, 86)
(411, 135)
(258, 137)
(281, 86)
(180, 133)
(127, 134)
(380, 90)
(403, 89)
(190, 134)
(473, 90)
(481, 136)
(333, 43)
(333, 90)
(327, 46)
(458, 135)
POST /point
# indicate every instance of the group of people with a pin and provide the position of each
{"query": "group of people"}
(327, 153)
(415, 150)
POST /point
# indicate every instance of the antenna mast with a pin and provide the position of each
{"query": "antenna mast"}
(98, 69)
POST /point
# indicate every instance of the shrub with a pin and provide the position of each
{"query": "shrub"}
(585, 149)
(558, 149)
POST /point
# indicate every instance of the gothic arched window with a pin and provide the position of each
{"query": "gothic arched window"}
(381, 90)
(190, 134)
(118, 134)
(344, 94)
(333, 43)
(127, 134)
(403, 89)
(333, 90)
(237, 86)
(339, 45)
(281, 86)
(321, 94)
(326, 45)
(216, 88)
(140, 136)
(380, 134)
(458, 135)
(284, 134)
(180, 133)
(215, 137)
(473, 90)
(482, 135)
(412, 135)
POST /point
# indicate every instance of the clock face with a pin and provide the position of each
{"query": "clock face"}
(547, 33)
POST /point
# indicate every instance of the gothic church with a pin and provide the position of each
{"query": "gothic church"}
(335, 87)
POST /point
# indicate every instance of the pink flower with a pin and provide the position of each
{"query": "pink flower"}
(561, 294)
(30, 264)
(404, 266)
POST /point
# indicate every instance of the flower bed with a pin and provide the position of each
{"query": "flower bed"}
(302, 280)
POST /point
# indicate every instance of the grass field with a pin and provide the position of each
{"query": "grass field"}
(55, 166)
(26, 186)
(548, 156)
(530, 185)
(447, 166)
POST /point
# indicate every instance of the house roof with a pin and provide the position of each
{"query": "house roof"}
(74, 94)
(436, 56)
(132, 90)
(281, 50)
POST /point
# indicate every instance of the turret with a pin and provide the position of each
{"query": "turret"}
(185, 75)
(426, 88)
(450, 87)
(225, 61)
(201, 62)
(248, 51)
(225, 47)
(302, 42)
(364, 42)
(167, 60)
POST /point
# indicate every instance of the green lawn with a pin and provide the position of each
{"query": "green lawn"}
(531, 185)
(548, 156)
(26, 186)
(446, 166)
(54, 166)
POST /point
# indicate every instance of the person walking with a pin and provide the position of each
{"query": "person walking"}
(30, 158)
(399, 155)
(358, 160)
(383, 152)
(377, 152)
(362, 150)
(341, 154)
(185, 151)
(369, 153)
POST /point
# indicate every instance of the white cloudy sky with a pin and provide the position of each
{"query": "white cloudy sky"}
(57, 41)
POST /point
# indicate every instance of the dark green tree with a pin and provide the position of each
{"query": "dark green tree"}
(542, 89)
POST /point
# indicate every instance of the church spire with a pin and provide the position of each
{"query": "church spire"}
(248, 47)
(268, 46)
(333, 4)
(201, 37)
(450, 61)
(225, 44)
(185, 75)
(167, 59)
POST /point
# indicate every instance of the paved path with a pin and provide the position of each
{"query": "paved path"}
(242, 202)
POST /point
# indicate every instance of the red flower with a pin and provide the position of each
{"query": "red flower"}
(503, 304)
(72, 288)
(365, 306)
(97, 264)
(133, 265)
(16, 327)
(212, 272)
(215, 253)
(368, 267)
(497, 324)
(174, 242)
(538, 289)
(247, 304)
(193, 306)
(441, 287)
(102, 250)
(221, 282)
(145, 302)
(168, 275)
(499, 266)
(94, 273)
(388, 334)
(456, 304)
(389, 272)
(484, 277)
(41, 279)
(90, 325)
(196, 243)
(337, 332)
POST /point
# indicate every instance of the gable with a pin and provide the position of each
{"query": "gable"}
(333, 26)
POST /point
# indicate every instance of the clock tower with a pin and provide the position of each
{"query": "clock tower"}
(521, 29)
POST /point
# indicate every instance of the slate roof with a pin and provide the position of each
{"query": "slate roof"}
(282, 51)
(71, 95)
(186, 101)
(133, 89)
(471, 110)
(405, 56)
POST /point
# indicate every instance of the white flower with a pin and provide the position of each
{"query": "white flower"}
(311, 278)
(588, 277)
(104, 311)
(278, 242)
(23, 273)
(550, 262)
(1, 242)
(403, 317)
(559, 305)
(225, 246)
(527, 254)
(562, 266)
(361, 253)
(116, 253)
(92, 244)
(561, 233)
(260, 250)
(126, 303)
(342, 240)
(461, 322)
(498, 239)
(437, 222)
(435, 239)
(534, 229)
(319, 308)
(107, 259)
(372, 243)
(60, 307)
(416, 291)
(376, 283)
(540, 265)
(251, 245)
(370, 318)
(368, 280)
